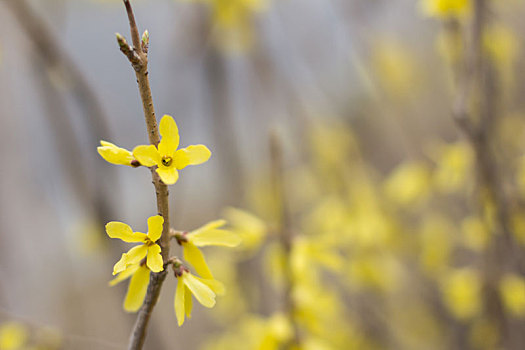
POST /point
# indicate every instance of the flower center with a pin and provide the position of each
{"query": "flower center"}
(166, 161)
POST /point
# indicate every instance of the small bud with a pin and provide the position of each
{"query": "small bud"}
(135, 163)
(145, 41)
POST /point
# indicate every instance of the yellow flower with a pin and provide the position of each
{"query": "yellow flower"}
(149, 248)
(462, 293)
(138, 285)
(116, 155)
(13, 335)
(166, 156)
(446, 8)
(210, 234)
(512, 289)
(187, 284)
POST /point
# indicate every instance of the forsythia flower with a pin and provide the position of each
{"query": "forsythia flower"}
(149, 248)
(512, 289)
(445, 8)
(166, 156)
(210, 234)
(116, 155)
(138, 285)
(13, 335)
(187, 284)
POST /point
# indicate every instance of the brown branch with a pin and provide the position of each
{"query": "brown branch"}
(139, 59)
(475, 114)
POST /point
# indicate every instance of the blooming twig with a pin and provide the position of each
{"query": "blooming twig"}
(138, 57)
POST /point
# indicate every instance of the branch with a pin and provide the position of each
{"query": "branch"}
(286, 234)
(138, 57)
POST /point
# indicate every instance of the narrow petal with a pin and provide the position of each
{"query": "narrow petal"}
(114, 154)
(222, 238)
(170, 136)
(197, 154)
(210, 226)
(133, 256)
(155, 227)
(122, 231)
(202, 292)
(121, 265)
(168, 175)
(188, 302)
(147, 155)
(216, 286)
(130, 270)
(154, 260)
(179, 301)
(194, 256)
(138, 285)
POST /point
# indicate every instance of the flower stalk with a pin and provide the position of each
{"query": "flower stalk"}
(138, 57)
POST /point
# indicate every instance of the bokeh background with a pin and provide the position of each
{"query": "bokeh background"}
(406, 233)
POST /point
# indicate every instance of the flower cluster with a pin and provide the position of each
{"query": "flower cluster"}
(140, 261)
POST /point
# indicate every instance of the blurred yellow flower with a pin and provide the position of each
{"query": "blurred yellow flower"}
(187, 284)
(13, 336)
(166, 156)
(445, 8)
(408, 184)
(247, 226)
(461, 290)
(454, 162)
(149, 248)
(475, 234)
(138, 285)
(512, 289)
(116, 155)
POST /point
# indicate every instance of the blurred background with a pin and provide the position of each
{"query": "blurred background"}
(369, 153)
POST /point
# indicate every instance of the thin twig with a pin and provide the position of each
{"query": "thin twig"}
(139, 61)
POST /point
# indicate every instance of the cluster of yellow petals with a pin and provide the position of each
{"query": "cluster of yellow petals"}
(210, 234)
(148, 249)
(166, 157)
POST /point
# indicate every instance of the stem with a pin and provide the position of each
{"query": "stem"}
(139, 61)
(286, 235)
(477, 84)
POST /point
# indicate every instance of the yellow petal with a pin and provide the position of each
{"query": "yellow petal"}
(202, 292)
(120, 265)
(180, 159)
(133, 256)
(154, 260)
(114, 154)
(170, 136)
(216, 286)
(130, 270)
(188, 303)
(215, 237)
(197, 154)
(168, 175)
(138, 285)
(210, 226)
(179, 301)
(194, 256)
(147, 155)
(122, 231)
(155, 227)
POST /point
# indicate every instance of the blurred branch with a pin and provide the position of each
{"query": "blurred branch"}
(56, 58)
(477, 92)
(138, 57)
(286, 234)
